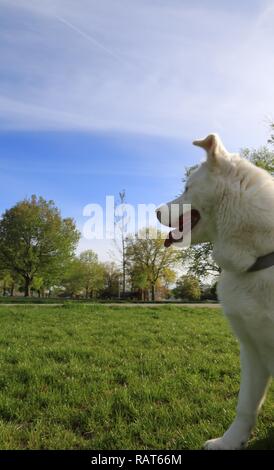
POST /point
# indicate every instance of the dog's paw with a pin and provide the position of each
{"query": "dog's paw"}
(215, 444)
(221, 444)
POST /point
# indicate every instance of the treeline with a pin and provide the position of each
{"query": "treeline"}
(37, 257)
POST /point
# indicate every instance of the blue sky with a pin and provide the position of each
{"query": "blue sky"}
(97, 96)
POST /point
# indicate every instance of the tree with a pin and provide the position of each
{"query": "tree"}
(74, 278)
(262, 157)
(168, 277)
(93, 273)
(38, 285)
(148, 258)
(35, 240)
(86, 276)
(6, 282)
(209, 291)
(199, 262)
(188, 287)
(112, 280)
(140, 281)
(271, 138)
(121, 225)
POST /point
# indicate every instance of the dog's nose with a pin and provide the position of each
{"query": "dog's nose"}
(158, 214)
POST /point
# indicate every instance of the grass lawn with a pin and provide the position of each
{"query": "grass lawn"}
(102, 377)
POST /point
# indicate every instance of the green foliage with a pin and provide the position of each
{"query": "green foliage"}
(37, 284)
(112, 281)
(209, 292)
(101, 377)
(93, 273)
(84, 276)
(74, 278)
(199, 262)
(139, 278)
(263, 157)
(35, 240)
(271, 138)
(6, 281)
(188, 287)
(148, 261)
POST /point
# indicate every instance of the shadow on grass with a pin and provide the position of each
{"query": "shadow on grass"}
(263, 444)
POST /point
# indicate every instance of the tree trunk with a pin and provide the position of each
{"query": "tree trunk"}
(122, 195)
(153, 292)
(27, 286)
(124, 266)
(12, 290)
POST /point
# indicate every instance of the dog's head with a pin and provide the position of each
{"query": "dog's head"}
(201, 189)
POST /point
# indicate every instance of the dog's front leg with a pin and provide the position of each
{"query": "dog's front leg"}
(254, 379)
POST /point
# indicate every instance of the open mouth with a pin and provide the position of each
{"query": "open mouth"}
(186, 222)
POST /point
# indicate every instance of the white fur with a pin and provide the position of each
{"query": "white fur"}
(236, 203)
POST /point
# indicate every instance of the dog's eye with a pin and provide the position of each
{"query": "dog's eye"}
(186, 189)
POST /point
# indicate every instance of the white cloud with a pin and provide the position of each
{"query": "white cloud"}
(153, 67)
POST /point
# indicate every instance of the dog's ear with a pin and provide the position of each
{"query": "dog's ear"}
(213, 147)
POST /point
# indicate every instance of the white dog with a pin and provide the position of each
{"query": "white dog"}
(232, 205)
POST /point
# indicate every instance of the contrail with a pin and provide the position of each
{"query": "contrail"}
(90, 39)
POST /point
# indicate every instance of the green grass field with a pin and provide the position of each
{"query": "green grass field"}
(101, 377)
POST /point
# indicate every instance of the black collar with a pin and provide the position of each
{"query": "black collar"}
(262, 262)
